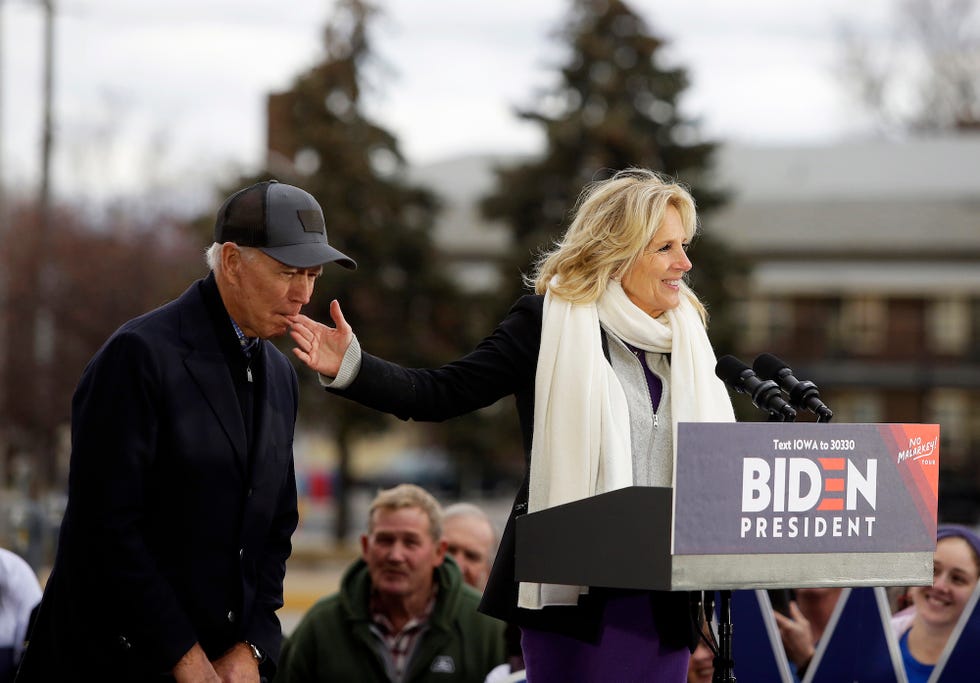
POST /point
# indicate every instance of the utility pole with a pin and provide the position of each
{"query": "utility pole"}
(44, 320)
(3, 186)
(46, 130)
(4, 227)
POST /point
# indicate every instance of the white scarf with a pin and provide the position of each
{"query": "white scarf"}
(581, 441)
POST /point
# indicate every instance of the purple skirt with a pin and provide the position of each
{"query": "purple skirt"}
(629, 649)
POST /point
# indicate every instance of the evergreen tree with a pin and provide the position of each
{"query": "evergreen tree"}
(616, 105)
(400, 300)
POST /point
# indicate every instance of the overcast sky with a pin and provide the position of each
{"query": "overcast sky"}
(171, 94)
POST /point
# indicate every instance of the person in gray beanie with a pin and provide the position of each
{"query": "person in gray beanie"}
(182, 493)
(924, 628)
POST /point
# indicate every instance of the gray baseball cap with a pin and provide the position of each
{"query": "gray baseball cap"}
(283, 221)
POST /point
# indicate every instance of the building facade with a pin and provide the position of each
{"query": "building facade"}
(866, 280)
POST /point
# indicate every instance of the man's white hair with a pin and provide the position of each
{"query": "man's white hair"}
(213, 255)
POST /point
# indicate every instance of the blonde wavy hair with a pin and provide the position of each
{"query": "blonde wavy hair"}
(614, 221)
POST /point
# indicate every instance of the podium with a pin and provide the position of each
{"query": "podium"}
(619, 539)
(754, 505)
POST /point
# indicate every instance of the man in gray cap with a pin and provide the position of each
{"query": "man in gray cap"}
(181, 494)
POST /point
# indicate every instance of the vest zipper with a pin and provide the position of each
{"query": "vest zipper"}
(640, 356)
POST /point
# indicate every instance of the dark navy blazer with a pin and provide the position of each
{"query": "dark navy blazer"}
(178, 524)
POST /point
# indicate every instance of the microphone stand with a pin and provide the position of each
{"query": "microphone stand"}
(764, 396)
(720, 645)
(723, 663)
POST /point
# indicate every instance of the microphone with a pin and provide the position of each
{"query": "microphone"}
(765, 394)
(803, 395)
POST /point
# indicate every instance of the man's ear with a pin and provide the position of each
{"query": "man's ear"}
(441, 548)
(364, 546)
(231, 260)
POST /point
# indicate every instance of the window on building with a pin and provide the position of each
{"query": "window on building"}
(858, 406)
(949, 408)
(767, 322)
(948, 330)
(863, 324)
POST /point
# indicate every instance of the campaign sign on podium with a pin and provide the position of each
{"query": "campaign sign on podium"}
(754, 505)
(806, 504)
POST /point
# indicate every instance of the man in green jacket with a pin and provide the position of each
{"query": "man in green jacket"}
(403, 613)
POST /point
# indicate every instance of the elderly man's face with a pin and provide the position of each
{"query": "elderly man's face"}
(266, 293)
(469, 540)
(401, 554)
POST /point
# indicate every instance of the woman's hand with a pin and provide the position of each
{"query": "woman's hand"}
(322, 348)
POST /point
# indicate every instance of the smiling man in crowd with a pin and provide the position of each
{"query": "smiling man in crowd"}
(403, 613)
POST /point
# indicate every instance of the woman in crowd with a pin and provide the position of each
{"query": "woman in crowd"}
(701, 668)
(925, 627)
(608, 356)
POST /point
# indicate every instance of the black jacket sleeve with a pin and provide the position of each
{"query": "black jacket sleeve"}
(503, 363)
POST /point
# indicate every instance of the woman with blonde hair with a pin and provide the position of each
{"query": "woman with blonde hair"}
(603, 361)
